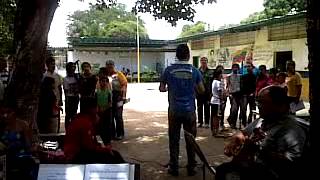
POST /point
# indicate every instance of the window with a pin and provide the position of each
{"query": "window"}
(235, 39)
(197, 44)
(206, 43)
(288, 30)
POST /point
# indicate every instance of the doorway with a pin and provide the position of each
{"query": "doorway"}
(195, 61)
(281, 59)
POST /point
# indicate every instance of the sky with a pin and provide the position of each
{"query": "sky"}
(216, 15)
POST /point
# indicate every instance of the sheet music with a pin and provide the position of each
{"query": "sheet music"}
(61, 172)
(107, 172)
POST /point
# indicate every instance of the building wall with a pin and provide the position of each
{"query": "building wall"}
(263, 52)
(150, 61)
(170, 58)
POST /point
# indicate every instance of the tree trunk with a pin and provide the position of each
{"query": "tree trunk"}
(32, 24)
(313, 31)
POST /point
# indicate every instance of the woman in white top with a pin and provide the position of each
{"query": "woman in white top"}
(215, 102)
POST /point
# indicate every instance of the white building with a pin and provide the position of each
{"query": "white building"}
(155, 55)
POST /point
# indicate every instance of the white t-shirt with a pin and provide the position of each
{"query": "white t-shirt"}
(216, 92)
(70, 86)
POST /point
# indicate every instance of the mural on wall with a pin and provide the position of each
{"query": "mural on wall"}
(211, 59)
(229, 55)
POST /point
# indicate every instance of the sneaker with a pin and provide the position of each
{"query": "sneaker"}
(191, 172)
(173, 172)
(206, 126)
(200, 126)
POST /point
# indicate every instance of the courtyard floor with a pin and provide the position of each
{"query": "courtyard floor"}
(146, 140)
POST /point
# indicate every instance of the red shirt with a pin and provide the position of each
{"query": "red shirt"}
(262, 82)
(81, 136)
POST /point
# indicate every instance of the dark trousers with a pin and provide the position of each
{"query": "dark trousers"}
(203, 102)
(105, 126)
(237, 101)
(222, 109)
(83, 101)
(252, 107)
(214, 116)
(188, 120)
(117, 114)
(72, 103)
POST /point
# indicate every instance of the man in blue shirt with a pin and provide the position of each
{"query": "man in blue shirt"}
(182, 81)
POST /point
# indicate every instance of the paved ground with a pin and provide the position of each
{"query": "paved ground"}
(146, 139)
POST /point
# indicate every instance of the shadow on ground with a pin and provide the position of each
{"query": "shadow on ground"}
(146, 143)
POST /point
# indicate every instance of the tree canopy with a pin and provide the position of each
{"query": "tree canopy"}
(111, 22)
(276, 8)
(189, 30)
(283, 7)
(7, 9)
(172, 10)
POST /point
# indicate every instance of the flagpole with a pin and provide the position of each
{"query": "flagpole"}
(138, 49)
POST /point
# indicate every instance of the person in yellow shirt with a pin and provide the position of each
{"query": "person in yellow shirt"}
(119, 91)
(293, 82)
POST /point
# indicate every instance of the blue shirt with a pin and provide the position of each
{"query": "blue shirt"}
(244, 71)
(182, 80)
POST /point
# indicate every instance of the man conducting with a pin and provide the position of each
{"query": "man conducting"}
(182, 81)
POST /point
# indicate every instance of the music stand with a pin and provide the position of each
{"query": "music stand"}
(190, 138)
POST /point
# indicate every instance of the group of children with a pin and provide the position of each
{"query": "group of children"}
(84, 87)
(242, 88)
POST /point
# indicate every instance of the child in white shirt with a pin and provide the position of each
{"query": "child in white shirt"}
(216, 101)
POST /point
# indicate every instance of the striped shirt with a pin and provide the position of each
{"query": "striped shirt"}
(4, 76)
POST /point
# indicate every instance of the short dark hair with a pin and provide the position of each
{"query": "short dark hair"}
(283, 74)
(183, 52)
(291, 62)
(235, 65)
(102, 71)
(85, 63)
(69, 66)
(273, 71)
(50, 60)
(263, 66)
(204, 59)
(217, 73)
(110, 62)
(219, 66)
(278, 95)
